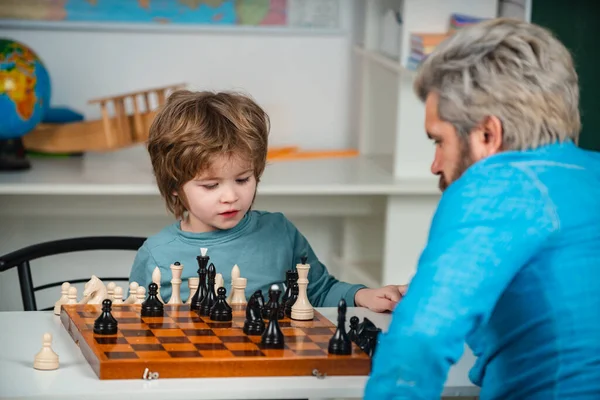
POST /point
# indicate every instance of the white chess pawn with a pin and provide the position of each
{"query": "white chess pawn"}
(219, 282)
(110, 290)
(302, 310)
(118, 296)
(140, 295)
(133, 287)
(156, 278)
(239, 287)
(46, 359)
(235, 273)
(72, 295)
(64, 291)
(193, 284)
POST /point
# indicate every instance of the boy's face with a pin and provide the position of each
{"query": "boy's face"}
(221, 196)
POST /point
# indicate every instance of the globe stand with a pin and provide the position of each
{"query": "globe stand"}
(12, 155)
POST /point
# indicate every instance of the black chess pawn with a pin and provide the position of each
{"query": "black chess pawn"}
(291, 300)
(202, 288)
(152, 306)
(254, 323)
(272, 337)
(340, 343)
(209, 300)
(106, 324)
(291, 277)
(221, 311)
(353, 333)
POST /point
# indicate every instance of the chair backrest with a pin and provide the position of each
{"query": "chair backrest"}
(21, 258)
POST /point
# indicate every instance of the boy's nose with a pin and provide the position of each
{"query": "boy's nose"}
(228, 196)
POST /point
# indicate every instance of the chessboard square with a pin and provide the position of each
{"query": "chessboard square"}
(110, 340)
(298, 339)
(117, 348)
(130, 308)
(198, 332)
(285, 324)
(255, 338)
(241, 346)
(210, 346)
(136, 332)
(153, 354)
(128, 320)
(173, 339)
(162, 325)
(180, 347)
(216, 353)
(126, 355)
(86, 314)
(238, 324)
(235, 339)
(204, 339)
(247, 353)
(303, 346)
(188, 319)
(158, 320)
(167, 332)
(133, 326)
(185, 354)
(192, 325)
(228, 332)
(293, 332)
(323, 345)
(148, 347)
(142, 340)
(321, 338)
(220, 325)
(319, 331)
(310, 353)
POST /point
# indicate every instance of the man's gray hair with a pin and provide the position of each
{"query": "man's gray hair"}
(516, 71)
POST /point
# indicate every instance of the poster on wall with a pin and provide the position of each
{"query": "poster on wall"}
(180, 13)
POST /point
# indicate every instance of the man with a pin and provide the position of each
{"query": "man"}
(512, 262)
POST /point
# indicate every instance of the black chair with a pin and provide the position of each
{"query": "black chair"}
(21, 258)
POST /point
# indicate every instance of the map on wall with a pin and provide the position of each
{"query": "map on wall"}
(316, 13)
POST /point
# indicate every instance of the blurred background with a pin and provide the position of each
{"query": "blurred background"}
(80, 81)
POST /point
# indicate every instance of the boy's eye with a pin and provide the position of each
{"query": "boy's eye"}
(209, 187)
(242, 180)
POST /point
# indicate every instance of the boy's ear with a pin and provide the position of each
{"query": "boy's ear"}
(175, 193)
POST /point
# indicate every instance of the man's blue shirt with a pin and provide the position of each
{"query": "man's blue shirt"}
(512, 267)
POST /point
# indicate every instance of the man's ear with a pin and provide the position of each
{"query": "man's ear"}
(487, 138)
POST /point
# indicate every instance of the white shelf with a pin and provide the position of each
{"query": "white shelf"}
(383, 60)
(128, 172)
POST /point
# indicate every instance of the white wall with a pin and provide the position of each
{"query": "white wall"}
(301, 79)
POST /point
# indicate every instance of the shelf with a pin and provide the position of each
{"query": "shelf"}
(384, 61)
(128, 172)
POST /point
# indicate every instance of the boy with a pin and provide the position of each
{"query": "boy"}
(208, 152)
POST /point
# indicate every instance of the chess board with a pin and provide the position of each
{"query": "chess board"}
(182, 344)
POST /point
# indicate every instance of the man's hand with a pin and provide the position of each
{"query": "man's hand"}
(382, 299)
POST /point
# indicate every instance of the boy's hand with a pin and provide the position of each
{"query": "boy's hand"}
(382, 299)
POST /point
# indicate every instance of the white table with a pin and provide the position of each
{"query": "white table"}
(21, 338)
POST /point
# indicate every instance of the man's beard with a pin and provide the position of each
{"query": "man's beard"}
(464, 161)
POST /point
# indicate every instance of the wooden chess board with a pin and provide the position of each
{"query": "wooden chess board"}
(182, 344)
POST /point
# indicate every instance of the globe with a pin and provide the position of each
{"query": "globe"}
(24, 89)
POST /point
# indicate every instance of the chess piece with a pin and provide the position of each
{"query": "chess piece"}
(64, 292)
(152, 306)
(110, 290)
(118, 296)
(133, 286)
(72, 295)
(221, 311)
(235, 273)
(193, 283)
(156, 278)
(46, 359)
(219, 281)
(369, 340)
(353, 333)
(340, 343)
(210, 298)
(254, 323)
(202, 287)
(362, 337)
(176, 270)
(239, 287)
(94, 291)
(291, 300)
(106, 324)
(272, 337)
(302, 310)
(291, 277)
(140, 295)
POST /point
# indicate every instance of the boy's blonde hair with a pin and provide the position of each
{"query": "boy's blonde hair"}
(193, 128)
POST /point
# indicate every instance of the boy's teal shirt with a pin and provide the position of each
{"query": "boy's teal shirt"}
(264, 246)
